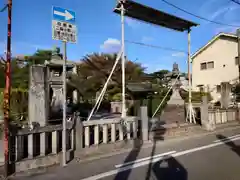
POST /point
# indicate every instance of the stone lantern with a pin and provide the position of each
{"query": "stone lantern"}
(45, 89)
(55, 80)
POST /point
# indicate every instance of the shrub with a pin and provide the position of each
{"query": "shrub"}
(18, 104)
(196, 96)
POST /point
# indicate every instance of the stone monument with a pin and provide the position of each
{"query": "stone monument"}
(174, 111)
(45, 89)
(54, 70)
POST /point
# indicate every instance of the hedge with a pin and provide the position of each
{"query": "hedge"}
(196, 96)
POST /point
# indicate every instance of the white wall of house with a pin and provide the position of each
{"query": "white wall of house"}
(222, 52)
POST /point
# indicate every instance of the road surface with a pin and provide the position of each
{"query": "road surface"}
(215, 156)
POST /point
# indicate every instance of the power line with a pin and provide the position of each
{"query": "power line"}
(200, 17)
(154, 46)
(235, 1)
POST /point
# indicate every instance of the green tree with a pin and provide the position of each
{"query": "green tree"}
(160, 74)
(158, 77)
(94, 70)
(21, 64)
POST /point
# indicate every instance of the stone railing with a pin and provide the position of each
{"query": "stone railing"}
(40, 146)
(220, 116)
(97, 132)
(37, 146)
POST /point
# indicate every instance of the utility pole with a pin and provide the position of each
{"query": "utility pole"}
(123, 61)
(7, 91)
(238, 57)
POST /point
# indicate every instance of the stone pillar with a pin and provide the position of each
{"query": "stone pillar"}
(207, 123)
(225, 94)
(37, 103)
(144, 122)
(79, 134)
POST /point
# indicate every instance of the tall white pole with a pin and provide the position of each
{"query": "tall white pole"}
(123, 64)
(189, 80)
(64, 103)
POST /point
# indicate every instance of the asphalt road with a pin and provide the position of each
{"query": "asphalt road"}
(215, 156)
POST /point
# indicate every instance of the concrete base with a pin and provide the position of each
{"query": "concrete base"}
(39, 162)
(105, 148)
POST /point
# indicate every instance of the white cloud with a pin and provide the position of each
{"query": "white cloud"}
(146, 39)
(224, 12)
(132, 22)
(111, 45)
(179, 54)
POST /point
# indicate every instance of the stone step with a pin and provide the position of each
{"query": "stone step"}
(173, 113)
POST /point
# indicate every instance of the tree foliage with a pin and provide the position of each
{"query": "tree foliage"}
(94, 70)
(19, 81)
(20, 68)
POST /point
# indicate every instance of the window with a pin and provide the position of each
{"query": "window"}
(203, 66)
(210, 65)
(207, 65)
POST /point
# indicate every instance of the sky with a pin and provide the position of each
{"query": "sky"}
(99, 29)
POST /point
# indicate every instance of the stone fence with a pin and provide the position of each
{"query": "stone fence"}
(220, 116)
(42, 146)
(39, 146)
(98, 132)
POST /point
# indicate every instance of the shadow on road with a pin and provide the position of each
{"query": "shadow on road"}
(168, 168)
(132, 156)
(235, 148)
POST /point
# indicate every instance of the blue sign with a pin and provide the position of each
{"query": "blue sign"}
(65, 15)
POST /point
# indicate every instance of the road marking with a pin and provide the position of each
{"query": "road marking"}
(145, 159)
(230, 137)
(144, 163)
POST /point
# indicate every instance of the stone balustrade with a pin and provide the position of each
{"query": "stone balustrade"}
(220, 116)
(96, 132)
(39, 146)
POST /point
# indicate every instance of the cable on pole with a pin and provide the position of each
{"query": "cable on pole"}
(165, 96)
(99, 99)
(235, 1)
(155, 46)
(197, 16)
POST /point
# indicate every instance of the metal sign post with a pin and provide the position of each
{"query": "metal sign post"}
(64, 29)
(64, 102)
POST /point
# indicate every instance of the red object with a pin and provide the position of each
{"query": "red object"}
(6, 105)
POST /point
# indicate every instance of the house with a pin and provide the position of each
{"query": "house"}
(215, 66)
